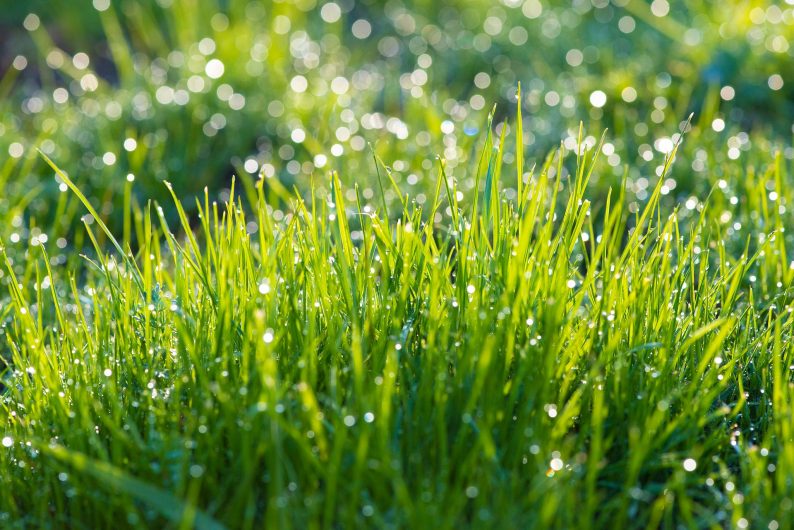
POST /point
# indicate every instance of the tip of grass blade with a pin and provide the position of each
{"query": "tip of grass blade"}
(76, 190)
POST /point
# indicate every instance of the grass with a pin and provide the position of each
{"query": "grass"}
(136, 71)
(490, 363)
(540, 327)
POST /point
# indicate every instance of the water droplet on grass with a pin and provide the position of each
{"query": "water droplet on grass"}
(268, 336)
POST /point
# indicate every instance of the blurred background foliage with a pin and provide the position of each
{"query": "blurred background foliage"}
(194, 91)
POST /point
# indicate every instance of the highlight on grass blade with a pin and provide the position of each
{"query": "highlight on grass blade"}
(132, 266)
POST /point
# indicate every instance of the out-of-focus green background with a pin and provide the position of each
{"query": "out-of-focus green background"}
(192, 91)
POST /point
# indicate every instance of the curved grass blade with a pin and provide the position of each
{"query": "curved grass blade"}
(133, 268)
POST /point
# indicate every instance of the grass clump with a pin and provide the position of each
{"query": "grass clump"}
(489, 363)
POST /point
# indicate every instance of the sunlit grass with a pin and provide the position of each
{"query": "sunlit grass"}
(403, 311)
(538, 362)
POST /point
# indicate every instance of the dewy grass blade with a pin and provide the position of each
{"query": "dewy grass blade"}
(132, 266)
(348, 345)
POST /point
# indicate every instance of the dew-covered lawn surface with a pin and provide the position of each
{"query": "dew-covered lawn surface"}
(403, 264)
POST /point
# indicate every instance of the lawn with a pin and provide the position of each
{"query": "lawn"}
(403, 264)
